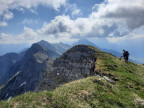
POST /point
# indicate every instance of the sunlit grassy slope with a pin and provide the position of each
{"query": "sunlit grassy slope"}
(92, 92)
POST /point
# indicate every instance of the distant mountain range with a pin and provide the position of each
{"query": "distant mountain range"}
(83, 42)
(24, 74)
(10, 63)
(14, 48)
(18, 48)
(87, 42)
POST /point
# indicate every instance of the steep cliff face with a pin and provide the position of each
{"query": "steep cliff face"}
(78, 62)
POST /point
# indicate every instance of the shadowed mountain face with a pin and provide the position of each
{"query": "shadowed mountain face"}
(6, 61)
(25, 74)
(7, 70)
(12, 48)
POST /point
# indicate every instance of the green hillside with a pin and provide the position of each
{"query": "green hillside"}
(127, 91)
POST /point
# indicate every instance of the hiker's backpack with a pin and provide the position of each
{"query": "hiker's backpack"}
(127, 53)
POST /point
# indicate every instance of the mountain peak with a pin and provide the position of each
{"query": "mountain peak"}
(84, 42)
(60, 43)
(42, 41)
(83, 39)
(36, 47)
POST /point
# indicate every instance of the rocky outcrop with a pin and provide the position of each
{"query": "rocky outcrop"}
(78, 62)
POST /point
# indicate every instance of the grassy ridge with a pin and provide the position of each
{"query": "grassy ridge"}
(130, 75)
(86, 93)
(91, 92)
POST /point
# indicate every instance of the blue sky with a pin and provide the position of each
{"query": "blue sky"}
(117, 23)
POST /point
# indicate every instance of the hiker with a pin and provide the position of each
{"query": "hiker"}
(125, 55)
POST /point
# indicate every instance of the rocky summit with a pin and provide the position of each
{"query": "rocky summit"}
(78, 62)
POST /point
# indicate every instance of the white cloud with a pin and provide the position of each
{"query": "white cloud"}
(8, 15)
(28, 36)
(3, 24)
(112, 18)
(130, 12)
(66, 27)
(21, 9)
(4, 36)
(137, 37)
(129, 37)
(60, 25)
(76, 12)
(73, 9)
(34, 11)
(80, 27)
(30, 21)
